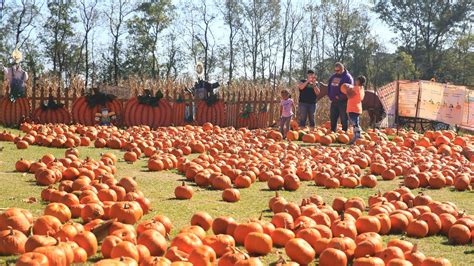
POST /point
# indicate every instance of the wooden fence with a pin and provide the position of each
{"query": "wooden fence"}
(237, 97)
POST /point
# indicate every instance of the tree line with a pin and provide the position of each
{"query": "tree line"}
(259, 40)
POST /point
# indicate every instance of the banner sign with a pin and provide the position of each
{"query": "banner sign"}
(450, 104)
(388, 96)
(468, 111)
(408, 98)
(441, 102)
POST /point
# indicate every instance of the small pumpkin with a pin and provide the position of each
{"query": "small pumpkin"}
(202, 255)
(125, 249)
(154, 241)
(258, 243)
(202, 219)
(12, 242)
(300, 251)
(231, 195)
(459, 234)
(87, 241)
(32, 258)
(183, 192)
(332, 257)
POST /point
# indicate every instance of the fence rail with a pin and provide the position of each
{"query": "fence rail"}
(237, 97)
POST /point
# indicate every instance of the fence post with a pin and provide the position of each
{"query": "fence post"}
(33, 97)
(66, 96)
(237, 110)
(58, 96)
(41, 98)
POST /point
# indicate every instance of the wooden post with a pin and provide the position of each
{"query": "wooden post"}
(66, 96)
(417, 103)
(272, 107)
(396, 105)
(237, 109)
(74, 96)
(58, 94)
(41, 94)
(33, 97)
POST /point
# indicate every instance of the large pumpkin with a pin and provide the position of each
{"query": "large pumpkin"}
(146, 109)
(212, 111)
(85, 108)
(51, 112)
(12, 113)
(247, 118)
(262, 118)
(179, 111)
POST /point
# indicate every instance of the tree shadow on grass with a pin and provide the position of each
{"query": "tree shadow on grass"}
(32, 183)
(270, 190)
(13, 172)
(175, 199)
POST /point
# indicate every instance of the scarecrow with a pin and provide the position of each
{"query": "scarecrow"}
(16, 77)
(105, 117)
(202, 90)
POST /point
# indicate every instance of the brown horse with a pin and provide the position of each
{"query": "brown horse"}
(371, 104)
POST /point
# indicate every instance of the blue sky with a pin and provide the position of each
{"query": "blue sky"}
(102, 37)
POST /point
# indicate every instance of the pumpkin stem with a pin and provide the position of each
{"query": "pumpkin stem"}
(342, 215)
(183, 184)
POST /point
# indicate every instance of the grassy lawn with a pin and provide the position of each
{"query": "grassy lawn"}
(159, 188)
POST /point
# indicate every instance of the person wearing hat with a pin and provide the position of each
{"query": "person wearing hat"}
(16, 77)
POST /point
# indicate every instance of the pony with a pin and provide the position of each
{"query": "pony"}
(371, 104)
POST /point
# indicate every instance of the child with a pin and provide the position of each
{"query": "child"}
(286, 112)
(355, 94)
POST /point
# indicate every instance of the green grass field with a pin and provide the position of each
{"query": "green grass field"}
(159, 188)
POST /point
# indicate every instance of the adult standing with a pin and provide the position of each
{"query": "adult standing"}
(338, 99)
(309, 90)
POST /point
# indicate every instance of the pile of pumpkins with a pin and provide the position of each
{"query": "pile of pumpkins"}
(229, 160)
(341, 234)
(434, 159)
(305, 232)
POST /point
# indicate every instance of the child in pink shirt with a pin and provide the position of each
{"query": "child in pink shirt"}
(286, 112)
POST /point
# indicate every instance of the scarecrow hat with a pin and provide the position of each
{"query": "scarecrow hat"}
(17, 56)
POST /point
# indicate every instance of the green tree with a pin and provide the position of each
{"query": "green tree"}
(145, 27)
(89, 17)
(60, 39)
(232, 15)
(117, 13)
(425, 28)
(262, 20)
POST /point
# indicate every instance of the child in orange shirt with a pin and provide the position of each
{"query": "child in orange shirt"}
(355, 94)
